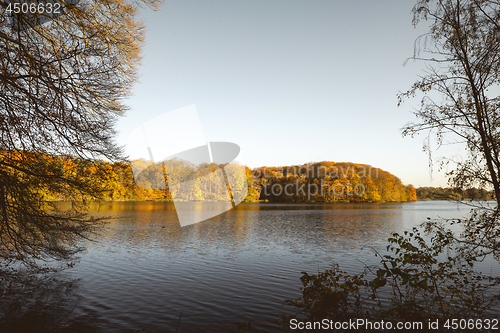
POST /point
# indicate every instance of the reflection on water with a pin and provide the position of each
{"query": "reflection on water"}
(144, 269)
(43, 304)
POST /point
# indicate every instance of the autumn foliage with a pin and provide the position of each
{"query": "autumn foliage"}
(319, 182)
(330, 182)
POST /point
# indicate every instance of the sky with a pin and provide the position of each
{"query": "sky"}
(288, 81)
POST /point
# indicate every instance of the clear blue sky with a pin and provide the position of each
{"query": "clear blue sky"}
(289, 81)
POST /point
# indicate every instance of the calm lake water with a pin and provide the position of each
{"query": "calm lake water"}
(144, 270)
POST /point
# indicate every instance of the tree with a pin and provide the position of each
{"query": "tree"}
(412, 193)
(464, 71)
(435, 278)
(62, 85)
(463, 45)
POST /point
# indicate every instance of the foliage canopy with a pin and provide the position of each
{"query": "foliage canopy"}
(62, 85)
(460, 85)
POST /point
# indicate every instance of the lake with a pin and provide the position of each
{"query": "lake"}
(144, 270)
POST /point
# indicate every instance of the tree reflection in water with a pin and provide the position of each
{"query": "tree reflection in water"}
(43, 303)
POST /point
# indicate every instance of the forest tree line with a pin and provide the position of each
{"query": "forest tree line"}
(448, 193)
(330, 182)
(314, 182)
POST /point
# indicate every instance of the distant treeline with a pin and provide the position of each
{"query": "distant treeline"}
(330, 182)
(314, 182)
(439, 193)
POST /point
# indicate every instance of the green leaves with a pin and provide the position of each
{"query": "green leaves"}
(378, 283)
(427, 277)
